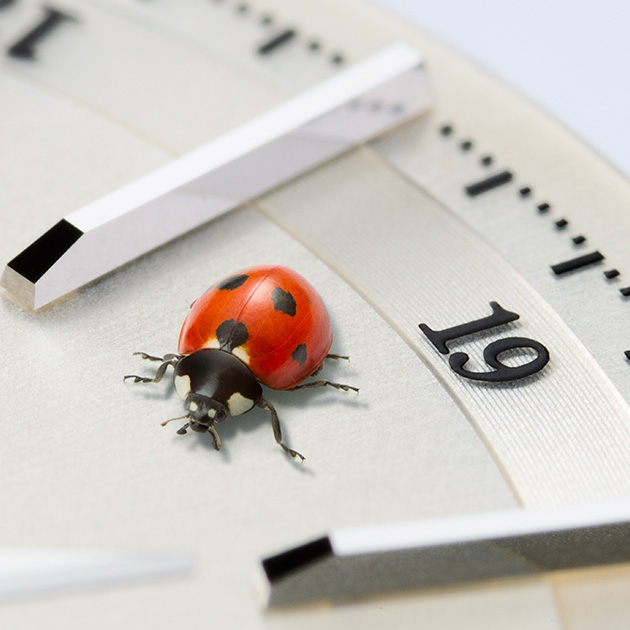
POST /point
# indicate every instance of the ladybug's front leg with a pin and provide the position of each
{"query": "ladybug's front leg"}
(167, 359)
(216, 440)
(275, 423)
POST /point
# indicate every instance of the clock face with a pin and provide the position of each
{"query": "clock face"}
(481, 298)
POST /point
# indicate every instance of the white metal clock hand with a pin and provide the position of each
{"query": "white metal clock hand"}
(350, 108)
(362, 561)
(36, 571)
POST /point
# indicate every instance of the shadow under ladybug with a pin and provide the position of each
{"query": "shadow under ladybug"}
(263, 325)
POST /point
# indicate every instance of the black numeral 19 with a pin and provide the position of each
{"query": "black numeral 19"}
(500, 372)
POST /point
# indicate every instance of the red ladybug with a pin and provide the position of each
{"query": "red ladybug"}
(266, 324)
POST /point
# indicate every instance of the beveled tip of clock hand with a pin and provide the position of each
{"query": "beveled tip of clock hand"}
(376, 560)
(317, 125)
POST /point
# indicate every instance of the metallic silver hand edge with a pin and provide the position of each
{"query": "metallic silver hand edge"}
(356, 105)
(374, 560)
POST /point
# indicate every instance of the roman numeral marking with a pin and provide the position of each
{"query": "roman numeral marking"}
(25, 48)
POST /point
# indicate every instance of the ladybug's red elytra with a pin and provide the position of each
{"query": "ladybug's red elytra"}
(265, 324)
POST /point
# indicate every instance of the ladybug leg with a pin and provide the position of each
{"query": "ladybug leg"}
(318, 369)
(161, 371)
(216, 440)
(322, 383)
(275, 423)
(166, 357)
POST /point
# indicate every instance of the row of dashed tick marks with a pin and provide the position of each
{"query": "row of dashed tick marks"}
(25, 47)
(505, 177)
(282, 36)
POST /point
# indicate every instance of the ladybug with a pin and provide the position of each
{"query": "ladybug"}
(264, 325)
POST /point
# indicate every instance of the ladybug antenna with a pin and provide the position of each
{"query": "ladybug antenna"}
(171, 420)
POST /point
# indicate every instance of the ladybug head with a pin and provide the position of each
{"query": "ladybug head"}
(203, 411)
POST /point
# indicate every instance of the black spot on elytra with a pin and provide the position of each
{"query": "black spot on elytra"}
(283, 301)
(233, 282)
(299, 354)
(231, 334)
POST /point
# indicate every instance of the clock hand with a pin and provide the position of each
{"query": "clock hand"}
(34, 571)
(364, 561)
(354, 106)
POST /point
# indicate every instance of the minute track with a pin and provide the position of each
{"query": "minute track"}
(93, 115)
(423, 240)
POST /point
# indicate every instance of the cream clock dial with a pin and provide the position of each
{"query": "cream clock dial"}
(481, 298)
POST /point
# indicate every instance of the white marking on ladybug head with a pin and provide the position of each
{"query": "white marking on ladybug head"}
(238, 404)
(193, 406)
(182, 385)
(242, 354)
(212, 413)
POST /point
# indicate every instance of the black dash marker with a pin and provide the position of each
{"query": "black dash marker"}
(486, 160)
(577, 263)
(25, 47)
(578, 240)
(543, 207)
(314, 45)
(466, 145)
(625, 291)
(561, 224)
(276, 42)
(611, 273)
(446, 130)
(337, 59)
(484, 185)
(281, 565)
(526, 191)
(41, 255)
